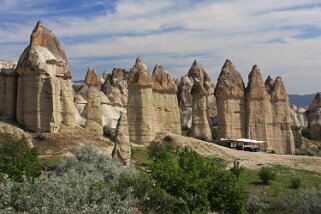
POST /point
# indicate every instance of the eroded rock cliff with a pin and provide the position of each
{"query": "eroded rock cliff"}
(140, 106)
(201, 83)
(166, 111)
(44, 94)
(8, 90)
(259, 109)
(231, 106)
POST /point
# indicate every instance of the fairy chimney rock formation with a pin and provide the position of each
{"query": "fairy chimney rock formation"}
(282, 141)
(314, 117)
(92, 78)
(231, 108)
(140, 106)
(122, 148)
(166, 110)
(200, 124)
(185, 100)
(93, 108)
(44, 94)
(259, 109)
(8, 90)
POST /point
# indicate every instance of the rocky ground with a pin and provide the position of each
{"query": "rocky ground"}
(61, 144)
(247, 159)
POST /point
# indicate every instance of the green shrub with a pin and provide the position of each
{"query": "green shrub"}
(152, 199)
(295, 183)
(110, 133)
(308, 152)
(267, 175)
(77, 87)
(83, 184)
(158, 151)
(199, 184)
(306, 132)
(237, 169)
(17, 159)
(214, 133)
(186, 131)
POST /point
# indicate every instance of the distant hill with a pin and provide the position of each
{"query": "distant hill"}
(301, 100)
(79, 81)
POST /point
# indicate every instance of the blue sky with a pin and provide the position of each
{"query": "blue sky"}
(281, 37)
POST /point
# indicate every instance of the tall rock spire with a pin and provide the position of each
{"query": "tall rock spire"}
(259, 109)
(200, 124)
(231, 108)
(140, 106)
(45, 95)
(282, 141)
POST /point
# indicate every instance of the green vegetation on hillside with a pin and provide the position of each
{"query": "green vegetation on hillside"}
(17, 160)
(273, 198)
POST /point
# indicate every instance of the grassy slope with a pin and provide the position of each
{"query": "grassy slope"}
(278, 189)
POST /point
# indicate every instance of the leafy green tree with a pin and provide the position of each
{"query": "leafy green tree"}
(267, 175)
(306, 132)
(200, 184)
(17, 159)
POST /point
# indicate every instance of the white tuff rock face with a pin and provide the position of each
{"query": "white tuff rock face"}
(152, 103)
(140, 105)
(166, 111)
(122, 148)
(44, 94)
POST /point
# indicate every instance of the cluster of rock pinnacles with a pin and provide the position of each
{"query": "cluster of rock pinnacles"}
(38, 94)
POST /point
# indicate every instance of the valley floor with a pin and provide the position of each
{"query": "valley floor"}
(251, 160)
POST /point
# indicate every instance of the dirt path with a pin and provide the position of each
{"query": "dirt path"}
(247, 159)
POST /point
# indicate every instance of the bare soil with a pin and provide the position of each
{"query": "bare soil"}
(66, 141)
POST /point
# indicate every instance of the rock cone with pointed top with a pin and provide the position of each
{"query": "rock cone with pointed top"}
(122, 148)
(166, 111)
(282, 141)
(93, 108)
(231, 107)
(44, 95)
(201, 83)
(314, 117)
(140, 107)
(259, 109)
